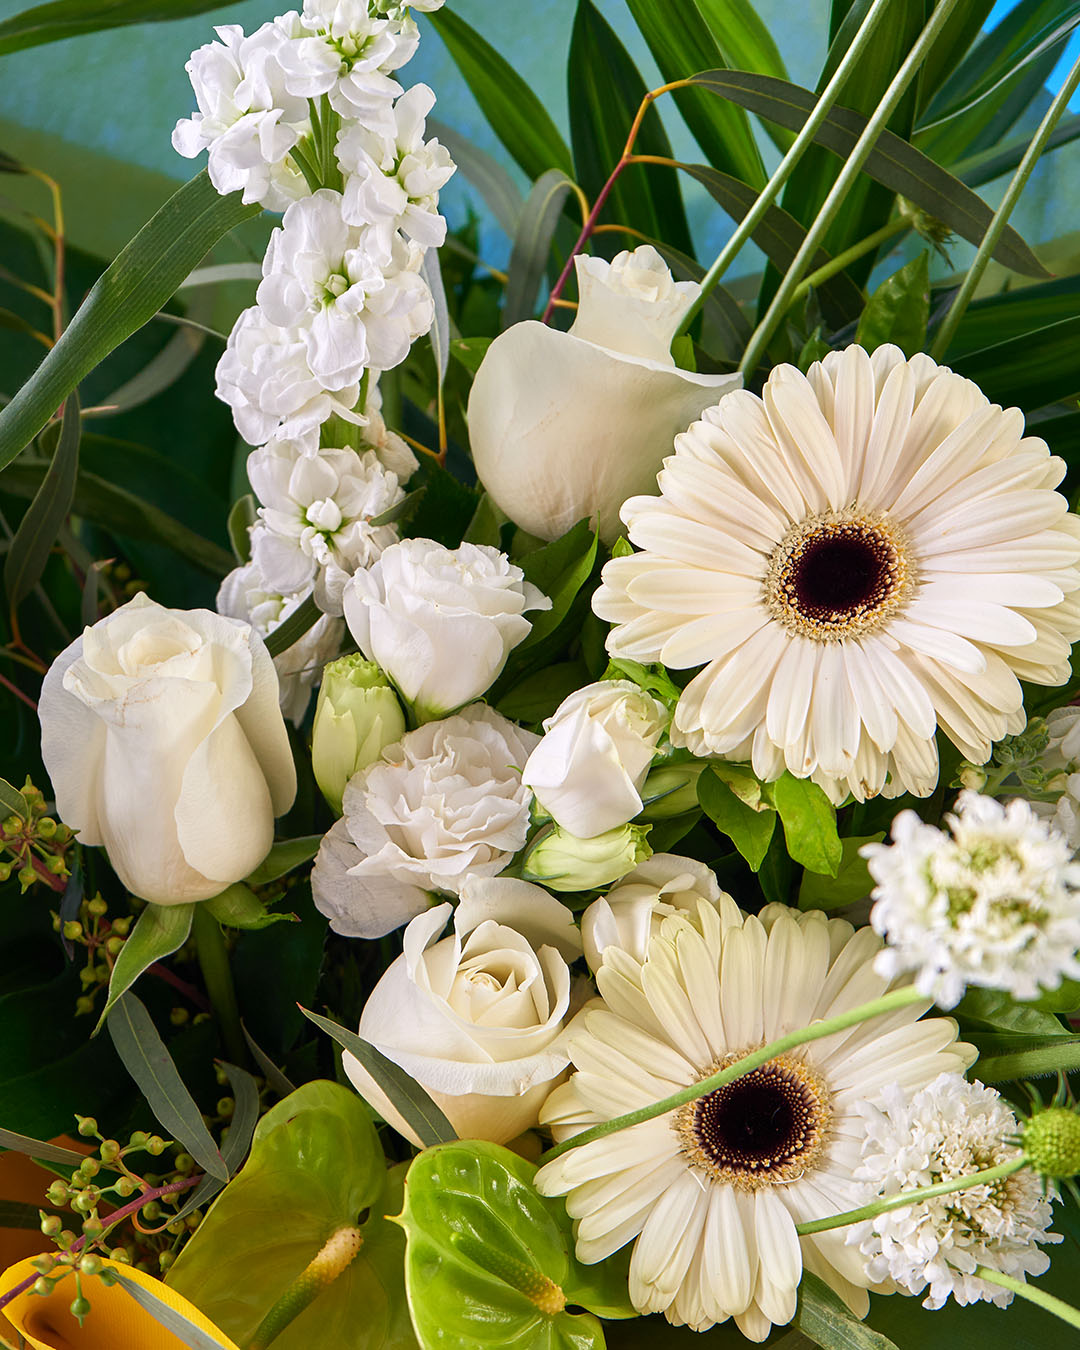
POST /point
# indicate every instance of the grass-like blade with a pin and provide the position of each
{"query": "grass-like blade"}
(29, 550)
(159, 931)
(145, 1057)
(303, 617)
(825, 1318)
(183, 1328)
(37, 1148)
(416, 1107)
(532, 245)
(1029, 371)
(485, 173)
(69, 18)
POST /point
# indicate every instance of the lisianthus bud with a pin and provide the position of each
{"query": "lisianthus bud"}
(563, 862)
(671, 790)
(357, 716)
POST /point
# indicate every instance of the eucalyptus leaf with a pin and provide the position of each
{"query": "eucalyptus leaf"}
(238, 907)
(12, 802)
(169, 1318)
(284, 856)
(69, 18)
(37, 1148)
(272, 1073)
(305, 616)
(244, 1118)
(29, 550)
(826, 1319)
(898, 310)
(532, 244)
(809, 821)
(485, 173)
(852, 881)
(440, 328)
(159, 931)
(749, 830)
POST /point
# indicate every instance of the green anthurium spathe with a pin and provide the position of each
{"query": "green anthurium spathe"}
(490, 1262)
(316, 1166)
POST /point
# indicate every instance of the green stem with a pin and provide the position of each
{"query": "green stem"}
(905, 1198)
(783, 171)
(842, 260)
(303, 163)
(214, 963)
(1048, 1302)
(951, 322)
(838, 192)
(898, 998)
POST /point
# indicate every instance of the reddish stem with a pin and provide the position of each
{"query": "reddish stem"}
(181, 986)
(14, 688)
(58, 884)
(583, 238)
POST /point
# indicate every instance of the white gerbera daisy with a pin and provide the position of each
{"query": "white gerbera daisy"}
(713, 1190)
(950, 1129)
(863, 554)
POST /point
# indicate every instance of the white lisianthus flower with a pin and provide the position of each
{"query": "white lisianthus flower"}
(995, 903)
(949, 1129)
(265, 378)
(565, 426)
(596, 751)
(358, 715)
(246, 594)
(316, 516)
(476, 1018)
(163, 740)
(356, 296)
(393, 181)
(710, 1193)
(440, 621)
(446, 803)
(862, 555)
(561, 861)
(630, 915)
(346, 52)
(247, 119)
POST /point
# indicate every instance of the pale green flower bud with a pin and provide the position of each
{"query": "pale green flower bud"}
(671, 790)
(563, 862)
(357, 716)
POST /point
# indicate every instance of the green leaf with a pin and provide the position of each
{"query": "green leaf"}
(892, 161)
(725, 328)
(750, 831)
(162, 370)
(489, 1260)
(306, 615)
(826, 1319)
(148, 1061)
(809, 821)
(899, 309)
(440, 327)
(36, 1148)
(538, 695)
(29, 550)
(987, 165)
(486, 524)
(1063, 1057)
(470, 351)
(315, 1166)
(485, 173)
(159, 931)
(743, 39)
(1064, 999)
(515, 113)
(405, 1094)
(852, 881)
(681, 41)
(653, 679)
(12, 802)
(532, 245)
(285, 855)
(996, 1009)
(238, 907)
(1029, 371)
(242, 515)
(69, 18)
(559, 570)
(961, 29)
(169, 1318)
(606, 91)
(402, 510)
(1015, 313)
(127, 295)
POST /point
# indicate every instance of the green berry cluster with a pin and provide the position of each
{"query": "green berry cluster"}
(34, 846)
(103, 937)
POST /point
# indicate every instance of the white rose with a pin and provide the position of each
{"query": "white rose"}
(444, 803)
(569, 425)
(164, 742)
(631, 913)
(476, 1018)
(441, 622)
(588, 770)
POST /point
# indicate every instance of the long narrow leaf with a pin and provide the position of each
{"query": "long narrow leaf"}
(149, 1063)
(30, 549)
(244, 1117)
(532, 244)
(1029, 371)
(990, 164)
(169, 1318)
(36, 1148)
(128, 294)
(826, 1319)
(306, 615)
(485, 173)
(440, 329)
(69, 18)
(159, 931)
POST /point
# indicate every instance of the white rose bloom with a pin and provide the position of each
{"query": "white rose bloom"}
(630, 915)
(316, 517)
(440, 621)
(569, 425)
(446, 803)
(476, 1018)
(264, 377)
(344, 51)
(247, 119)
(357, 297)
(246, 594)
(588, 770)
(393, 181)
(163, 740)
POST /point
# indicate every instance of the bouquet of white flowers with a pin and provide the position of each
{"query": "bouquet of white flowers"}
(602, 865)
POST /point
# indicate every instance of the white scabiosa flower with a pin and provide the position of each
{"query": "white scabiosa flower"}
(265, 378)
(246, 594)
(446, 803)
(355, 296)
(393, 181)
(856, 558)
(247, 119)
(996, 902)
(316, 516)
(711, 1192)
(949, 1129)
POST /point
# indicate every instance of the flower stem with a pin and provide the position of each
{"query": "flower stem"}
(1048, 1302)
(896, 226)
(214, 963)
(951, 322)
(896, 998)
(838, 192)
(904, 1198)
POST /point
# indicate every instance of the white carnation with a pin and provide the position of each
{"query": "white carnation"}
(995, 904)
(316, 517)
(446, 803)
